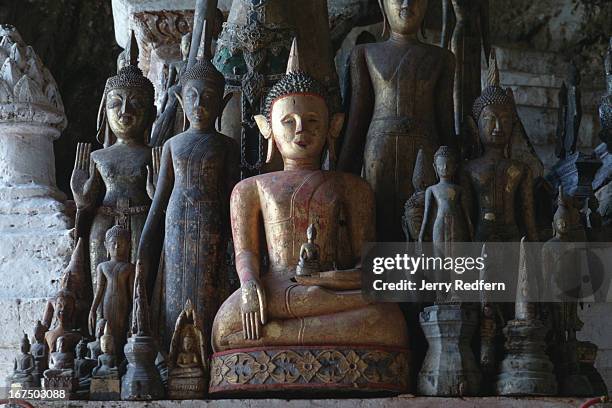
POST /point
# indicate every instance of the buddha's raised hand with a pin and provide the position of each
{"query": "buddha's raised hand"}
(82, 174)
(153, 171)
(253, 309)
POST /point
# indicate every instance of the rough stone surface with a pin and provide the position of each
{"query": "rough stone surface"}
(399, 402)
(35, 240)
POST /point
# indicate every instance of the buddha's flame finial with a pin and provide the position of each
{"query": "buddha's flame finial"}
(293, 65)
(132, 50)
(493, 73)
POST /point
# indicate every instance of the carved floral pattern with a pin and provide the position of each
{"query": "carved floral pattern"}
(310, 367)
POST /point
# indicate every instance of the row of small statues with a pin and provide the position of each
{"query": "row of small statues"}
(165, 217)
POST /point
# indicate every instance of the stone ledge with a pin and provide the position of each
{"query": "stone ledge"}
(398, 402)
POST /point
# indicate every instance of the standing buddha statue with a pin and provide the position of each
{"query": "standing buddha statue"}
(274, 316)
(115, 284)
(110, 184)
(198, 170)
(402, 101)
(466, 29)
(502, 188)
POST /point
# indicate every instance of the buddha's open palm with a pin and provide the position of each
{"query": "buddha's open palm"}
(153, 171)
(253, 309)
(81, 174)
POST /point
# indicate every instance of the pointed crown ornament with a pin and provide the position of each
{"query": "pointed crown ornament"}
(204, 70)
(28, 92)
(493, 94)
(295, 81)
(131, 76)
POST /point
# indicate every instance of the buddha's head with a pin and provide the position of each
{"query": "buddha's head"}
(188, 343)
(403, 16)
(185, 45)
(127, 111)
(494, 111)
(117, 242)
(25, 344)
(107, 345)
(296, 118)
(65, 306)
(39, 331)
(445, 162)
(81, 349)
(311, 233)
(562, 219)
(202, 95)
(100, 325)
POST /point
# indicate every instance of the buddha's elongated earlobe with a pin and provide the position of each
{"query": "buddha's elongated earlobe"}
(224, 103)
(266, 131)
(180, 101)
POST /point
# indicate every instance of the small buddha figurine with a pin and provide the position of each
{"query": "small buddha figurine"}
(94, 346)
(187, 358)
(402, 101)
(83, 366)
(110, 184)
(309, 254)
(271, 309)
(107, 361)
(115, 283)
(64, 308)
(40, 352)
(61, 362)
(444, 205)
(23, 367)
(187, 371)
(501, 187)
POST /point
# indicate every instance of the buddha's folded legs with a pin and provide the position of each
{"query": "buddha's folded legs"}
(311, 315)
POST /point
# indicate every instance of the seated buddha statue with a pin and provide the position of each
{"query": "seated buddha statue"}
(61, 366)
(272, 309)
(23, 366)
(309, 254)
(107, 361)
(187, 360)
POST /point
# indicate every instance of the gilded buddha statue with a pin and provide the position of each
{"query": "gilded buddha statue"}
(402, 101)
(110, 184)
(273, 315)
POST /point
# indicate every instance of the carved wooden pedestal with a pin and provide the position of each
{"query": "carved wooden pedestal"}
(105, 389)
(450, 367)
(310, 370)
(186, 388)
